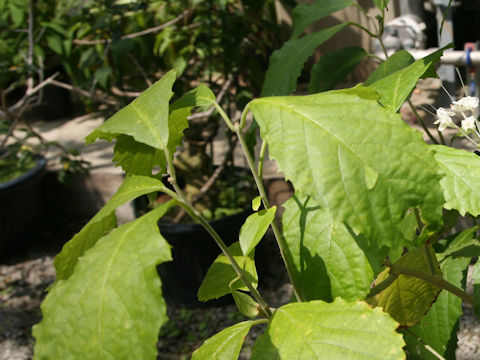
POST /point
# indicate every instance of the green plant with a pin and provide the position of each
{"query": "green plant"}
(22, 82)
(373, 204)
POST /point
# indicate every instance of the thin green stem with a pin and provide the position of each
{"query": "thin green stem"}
(278, 236)
(383, 285)
(197, 217)
(224, 116)
(362, 28)
(432, 279)
(420, 120)
(261, 159)
(466, 135)
(243, 119)
(426, 346)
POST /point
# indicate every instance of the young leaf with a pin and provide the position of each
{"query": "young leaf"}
(396, 87)
(334, 67)
(103, 221)
(304, 14)
(246, 304)
(145, 118)
(112, 304)
(136, 158)
(438, 327)
(355, 158)
(398, 61)
(220, 274)
(225, 345)
(461, 185)
(256, 203)
(338, 330)
(254, 228)
(408, 298)
(327, 262)
(287, 63)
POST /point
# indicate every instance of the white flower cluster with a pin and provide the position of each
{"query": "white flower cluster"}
(467, 103)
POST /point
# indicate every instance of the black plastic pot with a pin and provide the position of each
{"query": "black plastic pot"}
(21, 209)
(193, 251)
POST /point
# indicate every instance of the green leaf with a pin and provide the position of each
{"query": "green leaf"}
(439, 325)
(256, 203)
(136, 158)
(463, 244)
(102, 74)
(112, 305)
(408, 298)
(221, 273)
(181, 109)
(327, 261)
(356, 159)
(17, 15)
(381, 4)
(304, 14)
(396, 87)
(145, 118)
(245, 304)
(338, 330)
(461, 185)
(287, 63)
(102, 222)
(334, 67)
(55, 43)
(225, 345)
(254, 228)
(398, 61)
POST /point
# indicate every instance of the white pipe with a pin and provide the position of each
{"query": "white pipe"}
(449, 57)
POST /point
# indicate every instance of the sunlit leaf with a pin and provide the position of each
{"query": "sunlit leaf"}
(102, 222)
(112, 305)
(327, 261)
(254, 228)
(338, 330)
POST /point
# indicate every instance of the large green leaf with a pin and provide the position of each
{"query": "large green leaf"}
(461, 185)
(287, 63)
(438, 327)
(401, 59)
(356, 159)
(132, 187)
(396, 87)
(254, 228)
(334, 67)
(220, 274)
(304, 14)
(408, 298)
(225, 345)
(338, 330)
(327, 262)
(145, 118)
(112, 306)
(136, 158)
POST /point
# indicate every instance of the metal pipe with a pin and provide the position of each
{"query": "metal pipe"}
(457, 58)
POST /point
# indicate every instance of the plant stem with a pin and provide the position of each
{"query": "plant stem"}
(427, 347)
(382, 286)
(427, 254)
(276, 231)
(197, 217)
(224, 116)
(261, 159)
(420, 120)
(432, 279)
